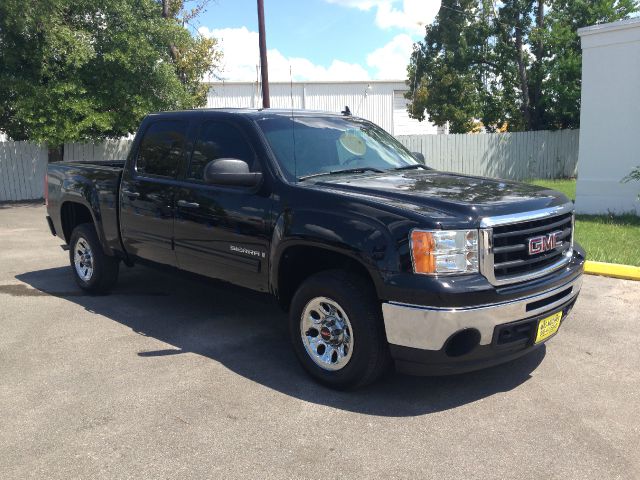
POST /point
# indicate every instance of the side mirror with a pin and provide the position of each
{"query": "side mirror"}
(419, 156)
(230, 172)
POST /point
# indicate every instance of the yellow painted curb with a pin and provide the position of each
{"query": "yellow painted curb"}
(627, 272)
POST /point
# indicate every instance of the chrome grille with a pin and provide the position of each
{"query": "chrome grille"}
(505, 256)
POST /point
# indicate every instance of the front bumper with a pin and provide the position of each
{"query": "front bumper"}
(422, 338)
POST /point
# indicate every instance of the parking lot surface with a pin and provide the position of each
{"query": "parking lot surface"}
(173, 377)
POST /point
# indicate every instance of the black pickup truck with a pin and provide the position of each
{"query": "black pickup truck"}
(378, 259)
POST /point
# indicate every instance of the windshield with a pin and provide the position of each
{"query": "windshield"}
(306, 146)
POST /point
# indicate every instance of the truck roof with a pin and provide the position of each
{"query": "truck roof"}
(250, 112)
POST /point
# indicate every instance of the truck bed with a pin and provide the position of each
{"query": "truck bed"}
(91, 184)
(119, 164)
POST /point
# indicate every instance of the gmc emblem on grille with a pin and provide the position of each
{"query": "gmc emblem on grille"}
(543, 243)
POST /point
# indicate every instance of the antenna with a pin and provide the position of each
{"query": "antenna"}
(291, 88)
(365, 94)
(293, 126)
(256, 93)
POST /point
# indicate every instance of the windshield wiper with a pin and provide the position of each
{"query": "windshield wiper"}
(346, 170)
(413, 166)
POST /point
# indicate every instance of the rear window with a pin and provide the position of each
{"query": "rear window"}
(162, 149)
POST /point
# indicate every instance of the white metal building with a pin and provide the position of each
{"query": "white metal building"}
(382, 102)
(609, 118)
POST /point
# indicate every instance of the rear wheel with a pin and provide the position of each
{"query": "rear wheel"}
(93, 271)
(337, 330)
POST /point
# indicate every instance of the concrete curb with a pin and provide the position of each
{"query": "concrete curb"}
(627, 272)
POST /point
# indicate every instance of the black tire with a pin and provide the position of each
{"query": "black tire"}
(104, 267)
(370, 357)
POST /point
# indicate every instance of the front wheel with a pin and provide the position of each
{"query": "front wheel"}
(337, 331)
(93, 271)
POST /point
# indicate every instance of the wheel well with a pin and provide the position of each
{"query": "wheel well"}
(72, 215)
(300, 262)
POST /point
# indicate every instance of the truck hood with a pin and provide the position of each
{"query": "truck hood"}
(454, 195)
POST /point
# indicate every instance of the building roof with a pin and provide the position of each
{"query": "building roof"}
(313, 82)
(609, 27)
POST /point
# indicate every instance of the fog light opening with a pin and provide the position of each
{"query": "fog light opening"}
(462, 342)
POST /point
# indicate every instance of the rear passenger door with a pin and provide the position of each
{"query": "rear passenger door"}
(147, 192)
(220, 231)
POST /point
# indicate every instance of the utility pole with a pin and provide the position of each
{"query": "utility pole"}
(264, 69)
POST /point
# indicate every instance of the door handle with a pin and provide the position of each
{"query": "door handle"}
(185, 204)
(131, 194)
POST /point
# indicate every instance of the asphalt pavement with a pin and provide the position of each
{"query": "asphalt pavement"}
(172, 377)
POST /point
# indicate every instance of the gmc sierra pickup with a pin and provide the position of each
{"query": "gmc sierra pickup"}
(378, 259)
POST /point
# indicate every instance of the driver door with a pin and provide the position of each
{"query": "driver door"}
(221, 231)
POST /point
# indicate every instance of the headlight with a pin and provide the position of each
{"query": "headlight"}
(444, 251)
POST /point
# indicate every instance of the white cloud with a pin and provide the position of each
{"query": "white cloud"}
(411, 16)
(390, 61)
(241, 56)
(360, 4)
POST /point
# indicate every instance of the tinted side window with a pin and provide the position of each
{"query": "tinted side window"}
(220, 140)
(162, 148)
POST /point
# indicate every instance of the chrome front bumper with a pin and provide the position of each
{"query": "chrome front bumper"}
(428, 328)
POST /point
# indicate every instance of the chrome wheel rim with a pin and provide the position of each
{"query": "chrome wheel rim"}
(83, 259)
(326, 333)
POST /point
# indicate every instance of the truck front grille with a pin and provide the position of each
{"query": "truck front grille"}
(506, 256)
(511, 245)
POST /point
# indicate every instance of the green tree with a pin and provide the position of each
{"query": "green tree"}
(512, 65)
(633, 176)
(91, 69)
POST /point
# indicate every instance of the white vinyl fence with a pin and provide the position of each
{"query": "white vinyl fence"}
(23, 164)
(22, 169)
(116, 149)
(514, 156)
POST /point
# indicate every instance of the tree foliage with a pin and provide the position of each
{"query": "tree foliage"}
(513, 65)
(633, 176)
(90, 69)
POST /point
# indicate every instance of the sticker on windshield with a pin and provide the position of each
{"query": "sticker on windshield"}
(353, 144)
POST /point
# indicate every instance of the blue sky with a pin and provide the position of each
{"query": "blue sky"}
(319, 39)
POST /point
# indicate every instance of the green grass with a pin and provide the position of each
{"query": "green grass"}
(612, 239)
(568, 187)
(606, 238)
